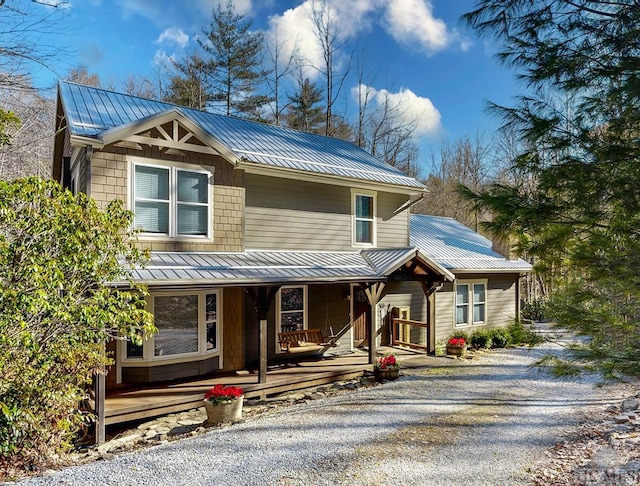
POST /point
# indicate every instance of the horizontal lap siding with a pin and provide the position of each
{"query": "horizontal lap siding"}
(401, 295)
(296, 215)
(393, 229)
(300, 215)
(501, 303)
(329, 309)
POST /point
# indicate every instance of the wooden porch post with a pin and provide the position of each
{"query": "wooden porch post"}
(99, 383)
(429, 288)
(373, 292)
(262, 300)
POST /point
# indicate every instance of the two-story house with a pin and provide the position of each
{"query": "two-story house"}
(257, 229)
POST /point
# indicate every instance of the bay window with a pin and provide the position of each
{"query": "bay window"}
(187, 323)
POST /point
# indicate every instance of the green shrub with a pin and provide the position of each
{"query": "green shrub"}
(500, 337)
(534, 310)
(481, 339)
(57, 254)
(522, 334)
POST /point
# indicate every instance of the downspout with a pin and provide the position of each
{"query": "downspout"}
(87, 160)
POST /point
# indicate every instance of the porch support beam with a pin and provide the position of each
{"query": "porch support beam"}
(262, 298)
(99, 383)
(373, 292)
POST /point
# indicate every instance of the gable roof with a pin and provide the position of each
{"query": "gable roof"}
(458, 248)
(94, 113)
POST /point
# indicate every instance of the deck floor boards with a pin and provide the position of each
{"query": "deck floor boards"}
(126, 405)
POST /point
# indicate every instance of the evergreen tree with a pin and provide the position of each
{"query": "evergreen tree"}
(305, 111)
(188, 86)
(580, 208)
(235, 70)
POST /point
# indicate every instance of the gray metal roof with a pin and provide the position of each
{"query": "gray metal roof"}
(90, 112)
(254, 267)
(458, 248)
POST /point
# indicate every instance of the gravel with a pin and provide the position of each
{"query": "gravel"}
(485, 421)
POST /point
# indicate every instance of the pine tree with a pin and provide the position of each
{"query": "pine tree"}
(305, 111)
(235, 71)
(579, 212)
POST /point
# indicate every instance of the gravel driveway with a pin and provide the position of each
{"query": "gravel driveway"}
(485, 421)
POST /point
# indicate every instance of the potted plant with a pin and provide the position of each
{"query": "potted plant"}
(386, 367)
(223, 404)
(456, 346)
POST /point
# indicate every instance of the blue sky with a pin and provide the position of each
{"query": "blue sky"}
(426, 60)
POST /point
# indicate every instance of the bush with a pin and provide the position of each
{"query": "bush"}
(500, 337)
(57, 253)
(522, 334)
(534, 310)
(481, 339)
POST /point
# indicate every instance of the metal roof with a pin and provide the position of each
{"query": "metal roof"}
(91, 112)
(456, 247)
(254, 267)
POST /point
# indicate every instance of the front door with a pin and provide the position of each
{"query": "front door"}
(361, 318)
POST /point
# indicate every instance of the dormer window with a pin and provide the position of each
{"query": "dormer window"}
(364, 219)
(171, 201)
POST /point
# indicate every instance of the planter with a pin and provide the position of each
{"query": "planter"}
(225, 412)
(386, 374)
(456, 350)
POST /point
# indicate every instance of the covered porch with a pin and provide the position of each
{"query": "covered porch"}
(142, 403)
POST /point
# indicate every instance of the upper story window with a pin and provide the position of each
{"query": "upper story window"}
(171, 201)
(471, 303)
(364, 219)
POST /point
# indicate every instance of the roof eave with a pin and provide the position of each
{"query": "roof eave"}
(287, 173)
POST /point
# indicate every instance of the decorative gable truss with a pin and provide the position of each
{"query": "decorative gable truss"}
(171, 132)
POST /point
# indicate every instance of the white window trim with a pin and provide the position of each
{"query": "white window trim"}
(148, 355)
(305, 310)
(470, 284)
(374, 229)
(173, 167)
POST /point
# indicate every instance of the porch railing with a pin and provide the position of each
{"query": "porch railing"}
(412, 334)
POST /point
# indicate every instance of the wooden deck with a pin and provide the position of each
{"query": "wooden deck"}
(127, 405)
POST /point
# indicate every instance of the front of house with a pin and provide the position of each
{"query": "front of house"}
(257, 230)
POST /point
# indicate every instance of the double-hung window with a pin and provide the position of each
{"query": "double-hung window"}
(171, 201)
(364, 218)
(471, 303)
(292, 308)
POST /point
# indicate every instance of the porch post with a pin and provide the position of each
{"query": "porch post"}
(373, 293)
(429, 288)
(99, 383)
(262, 301)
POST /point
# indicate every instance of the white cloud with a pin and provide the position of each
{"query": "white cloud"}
(407, 107)
(173, 35)
(411, 22)
(162, 59)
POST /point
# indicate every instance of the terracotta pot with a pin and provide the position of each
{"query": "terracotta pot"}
(386, 374)
(225, 412)
(456, 350)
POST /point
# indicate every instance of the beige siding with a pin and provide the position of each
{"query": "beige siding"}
(110, 181)
(501, 303)
(301, 215)
(393, 229)
(328, 309)
(403, 295)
